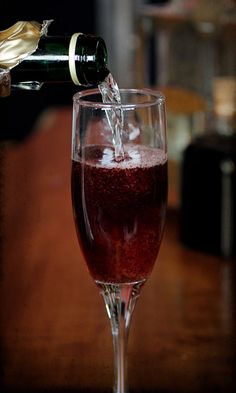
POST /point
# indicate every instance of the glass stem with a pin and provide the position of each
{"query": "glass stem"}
(120, 300)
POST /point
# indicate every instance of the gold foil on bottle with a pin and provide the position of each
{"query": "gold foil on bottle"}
(19, 41)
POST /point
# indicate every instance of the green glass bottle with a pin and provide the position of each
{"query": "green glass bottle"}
(81, 58)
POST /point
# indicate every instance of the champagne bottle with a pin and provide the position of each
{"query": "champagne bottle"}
(34, 57)
(30, 58)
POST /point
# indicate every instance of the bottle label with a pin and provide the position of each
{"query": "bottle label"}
(72, 67)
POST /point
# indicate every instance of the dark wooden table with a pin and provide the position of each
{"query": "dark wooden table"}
(55, 335)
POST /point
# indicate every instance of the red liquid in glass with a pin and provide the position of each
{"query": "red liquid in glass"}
(119, 211)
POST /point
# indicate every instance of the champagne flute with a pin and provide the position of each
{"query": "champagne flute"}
(119, 203)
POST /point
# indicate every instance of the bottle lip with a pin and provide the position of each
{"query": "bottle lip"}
(92, 68)
(147, 97)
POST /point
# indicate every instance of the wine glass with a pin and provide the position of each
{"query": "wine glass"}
(119, 202)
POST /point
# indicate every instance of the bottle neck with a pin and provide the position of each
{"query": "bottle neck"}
(81, 59)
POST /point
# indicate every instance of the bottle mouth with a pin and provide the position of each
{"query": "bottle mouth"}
(101, 52)
(93, 65)
(102, 59)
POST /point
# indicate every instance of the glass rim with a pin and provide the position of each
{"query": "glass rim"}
(158, 98)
